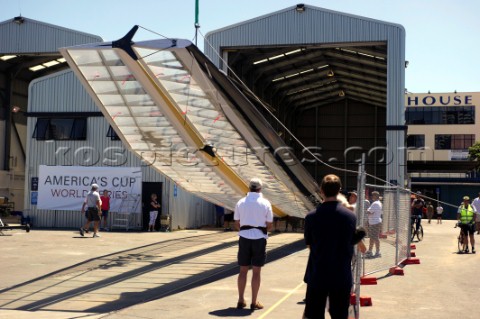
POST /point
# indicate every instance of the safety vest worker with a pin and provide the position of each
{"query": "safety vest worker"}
(466, 211)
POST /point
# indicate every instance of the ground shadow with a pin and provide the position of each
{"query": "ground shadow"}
(231, 312)
(117, 261)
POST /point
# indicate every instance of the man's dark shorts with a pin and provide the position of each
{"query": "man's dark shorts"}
(92, 214)
(468, 229)
(252, 252)
(105, 213)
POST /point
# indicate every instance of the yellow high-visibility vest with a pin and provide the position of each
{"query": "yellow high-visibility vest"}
(466, 215)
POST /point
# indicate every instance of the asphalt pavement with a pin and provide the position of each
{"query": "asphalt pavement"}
(192, 274)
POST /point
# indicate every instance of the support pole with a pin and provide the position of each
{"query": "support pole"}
(397, 224)
(197, 24)
(360, 212)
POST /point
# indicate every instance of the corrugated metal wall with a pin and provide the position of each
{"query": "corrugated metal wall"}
(33, 38)
(344, 130)
(62, 92)
(316, 26)
(14, 37)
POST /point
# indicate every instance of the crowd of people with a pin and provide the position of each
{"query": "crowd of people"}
(468, 217)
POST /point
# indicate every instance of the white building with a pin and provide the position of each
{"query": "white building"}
(441, 128)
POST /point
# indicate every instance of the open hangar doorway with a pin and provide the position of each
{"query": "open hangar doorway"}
(331, 97)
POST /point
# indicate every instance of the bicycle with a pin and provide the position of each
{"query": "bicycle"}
(461, 239)
(414, 233)
(462, 248)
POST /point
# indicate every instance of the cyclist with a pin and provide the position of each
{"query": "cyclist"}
(417, 210)
(466, 218)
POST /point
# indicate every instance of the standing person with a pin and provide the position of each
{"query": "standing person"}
(94, 210)
(466, 217)
(105, 208)
(253, 218)
(219, 211)
(366, 205)
(439, 213)
(352, 200)
(374, 213)
(329, 233)
(352, 205)
(345, 202)
(417, 210)
(154, 206)
(429, 211)
(227, 219)
(476, 206)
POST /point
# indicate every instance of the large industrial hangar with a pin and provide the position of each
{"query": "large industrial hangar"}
(39, 106)
(28, 51)
(335, 81)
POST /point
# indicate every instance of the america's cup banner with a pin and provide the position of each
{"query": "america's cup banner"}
(65, 187)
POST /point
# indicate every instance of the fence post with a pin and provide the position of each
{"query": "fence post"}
(397, 224)
(360, 211)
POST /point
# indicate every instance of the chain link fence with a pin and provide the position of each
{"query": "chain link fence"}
(394, 236)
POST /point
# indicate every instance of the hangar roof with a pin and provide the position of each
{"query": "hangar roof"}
(27, 44)
(305, 56)
(302, 77)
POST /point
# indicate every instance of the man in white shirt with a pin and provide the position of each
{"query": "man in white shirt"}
(253, 218)
(93, 203)
(476, 207)
(439, 213)
(374, 213)
(352, 200)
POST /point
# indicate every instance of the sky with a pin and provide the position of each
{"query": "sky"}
(442, 42)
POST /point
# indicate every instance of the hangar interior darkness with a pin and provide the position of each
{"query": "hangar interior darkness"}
(331, 97)
(16, 73)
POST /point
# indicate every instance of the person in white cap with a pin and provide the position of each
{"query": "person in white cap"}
(93, 204)
(374, 213)
(466, 218)
(253, 218)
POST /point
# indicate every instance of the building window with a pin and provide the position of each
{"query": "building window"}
(440, 115)
(60, 129)
(454, 142)
(112, 134)
(417, 141)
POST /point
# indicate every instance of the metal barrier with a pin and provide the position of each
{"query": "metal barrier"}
(394, 235)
